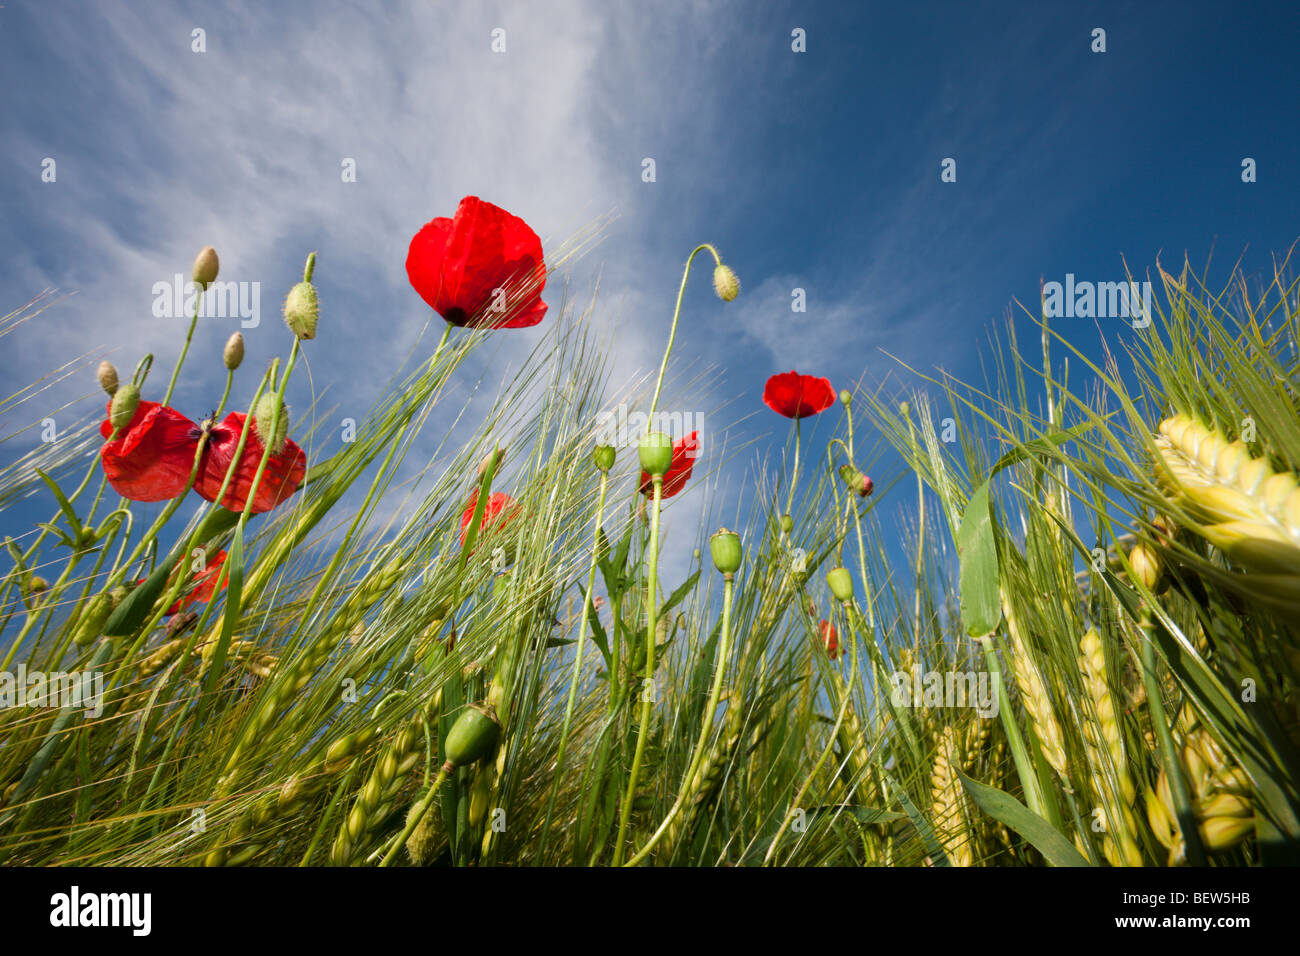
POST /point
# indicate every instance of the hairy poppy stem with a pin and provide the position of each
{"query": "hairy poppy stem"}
(647, 700)
(577, 661)
(672, 332)
(185, 349)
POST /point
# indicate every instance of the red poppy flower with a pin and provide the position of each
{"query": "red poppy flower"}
(150, 459)
(685, 452)
(458, 265)
(498, 511)
(205, 585)
(284, 472)
(798, 396)
(831, 638)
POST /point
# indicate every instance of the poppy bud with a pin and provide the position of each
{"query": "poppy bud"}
(472, 737)
(107, 375)
(841, 583)
(301, 310)
(656, 452)
(726, 551)
(205, 267)
(725, 283)
(233, 355)
(846, 397)
(492, 458)
(263, 417)
(603, 456)
(787, 523)
(125, 401)
(37, 584)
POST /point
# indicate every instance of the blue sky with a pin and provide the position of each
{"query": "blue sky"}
(817, 170)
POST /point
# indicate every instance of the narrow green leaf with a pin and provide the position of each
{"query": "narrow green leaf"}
(980, 608)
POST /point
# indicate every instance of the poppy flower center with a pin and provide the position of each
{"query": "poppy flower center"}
(456, 315)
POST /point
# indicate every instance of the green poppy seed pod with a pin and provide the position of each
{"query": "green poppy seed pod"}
(846, 397)
(473, 736)
(787, 523)
(233, 355)
(263, 418)
(841, 583)
(301, 310)
(725, 283)
(205, 267)
(656, 452)
(125, 401)
(726, 551)
(603, 456)
(107, 375)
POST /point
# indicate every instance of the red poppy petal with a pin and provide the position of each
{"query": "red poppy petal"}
(284, 471)
(798, 396)
(497, 503)
(151, 459)
(457, 265)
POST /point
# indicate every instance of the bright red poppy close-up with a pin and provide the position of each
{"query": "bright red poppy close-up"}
(798, 396)
(483, 268)
(284, 471)
(498, 511)
(205, 585)
(151, 458)
(685, 451)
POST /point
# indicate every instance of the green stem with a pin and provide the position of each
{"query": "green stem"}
(710, 709)
(577, 662)
(672, 332)
(647, 702)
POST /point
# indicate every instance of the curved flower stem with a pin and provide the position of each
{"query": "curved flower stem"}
(672, 332)
(647, 702)
(180, 359)
(577, 662)
(697, 758)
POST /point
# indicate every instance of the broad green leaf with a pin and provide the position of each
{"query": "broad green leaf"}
(1040, 834)
(980, 608)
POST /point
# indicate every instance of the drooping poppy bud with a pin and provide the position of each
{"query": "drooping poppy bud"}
(603, 457)
(656, 452)
(473, 736)
(857, 482)
(724, 545)
(125, 401)
(841, 584)
(725, 283)
(205, 267)
(271, 429)
(107, 375)
(787, 523)
(233, 354)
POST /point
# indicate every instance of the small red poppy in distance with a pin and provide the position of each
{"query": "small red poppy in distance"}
(150, 459)
(498, 511)
(685, 452)
(798, 396)
(205, 584)
(284, 471)
(459, 267)
(831, 638)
